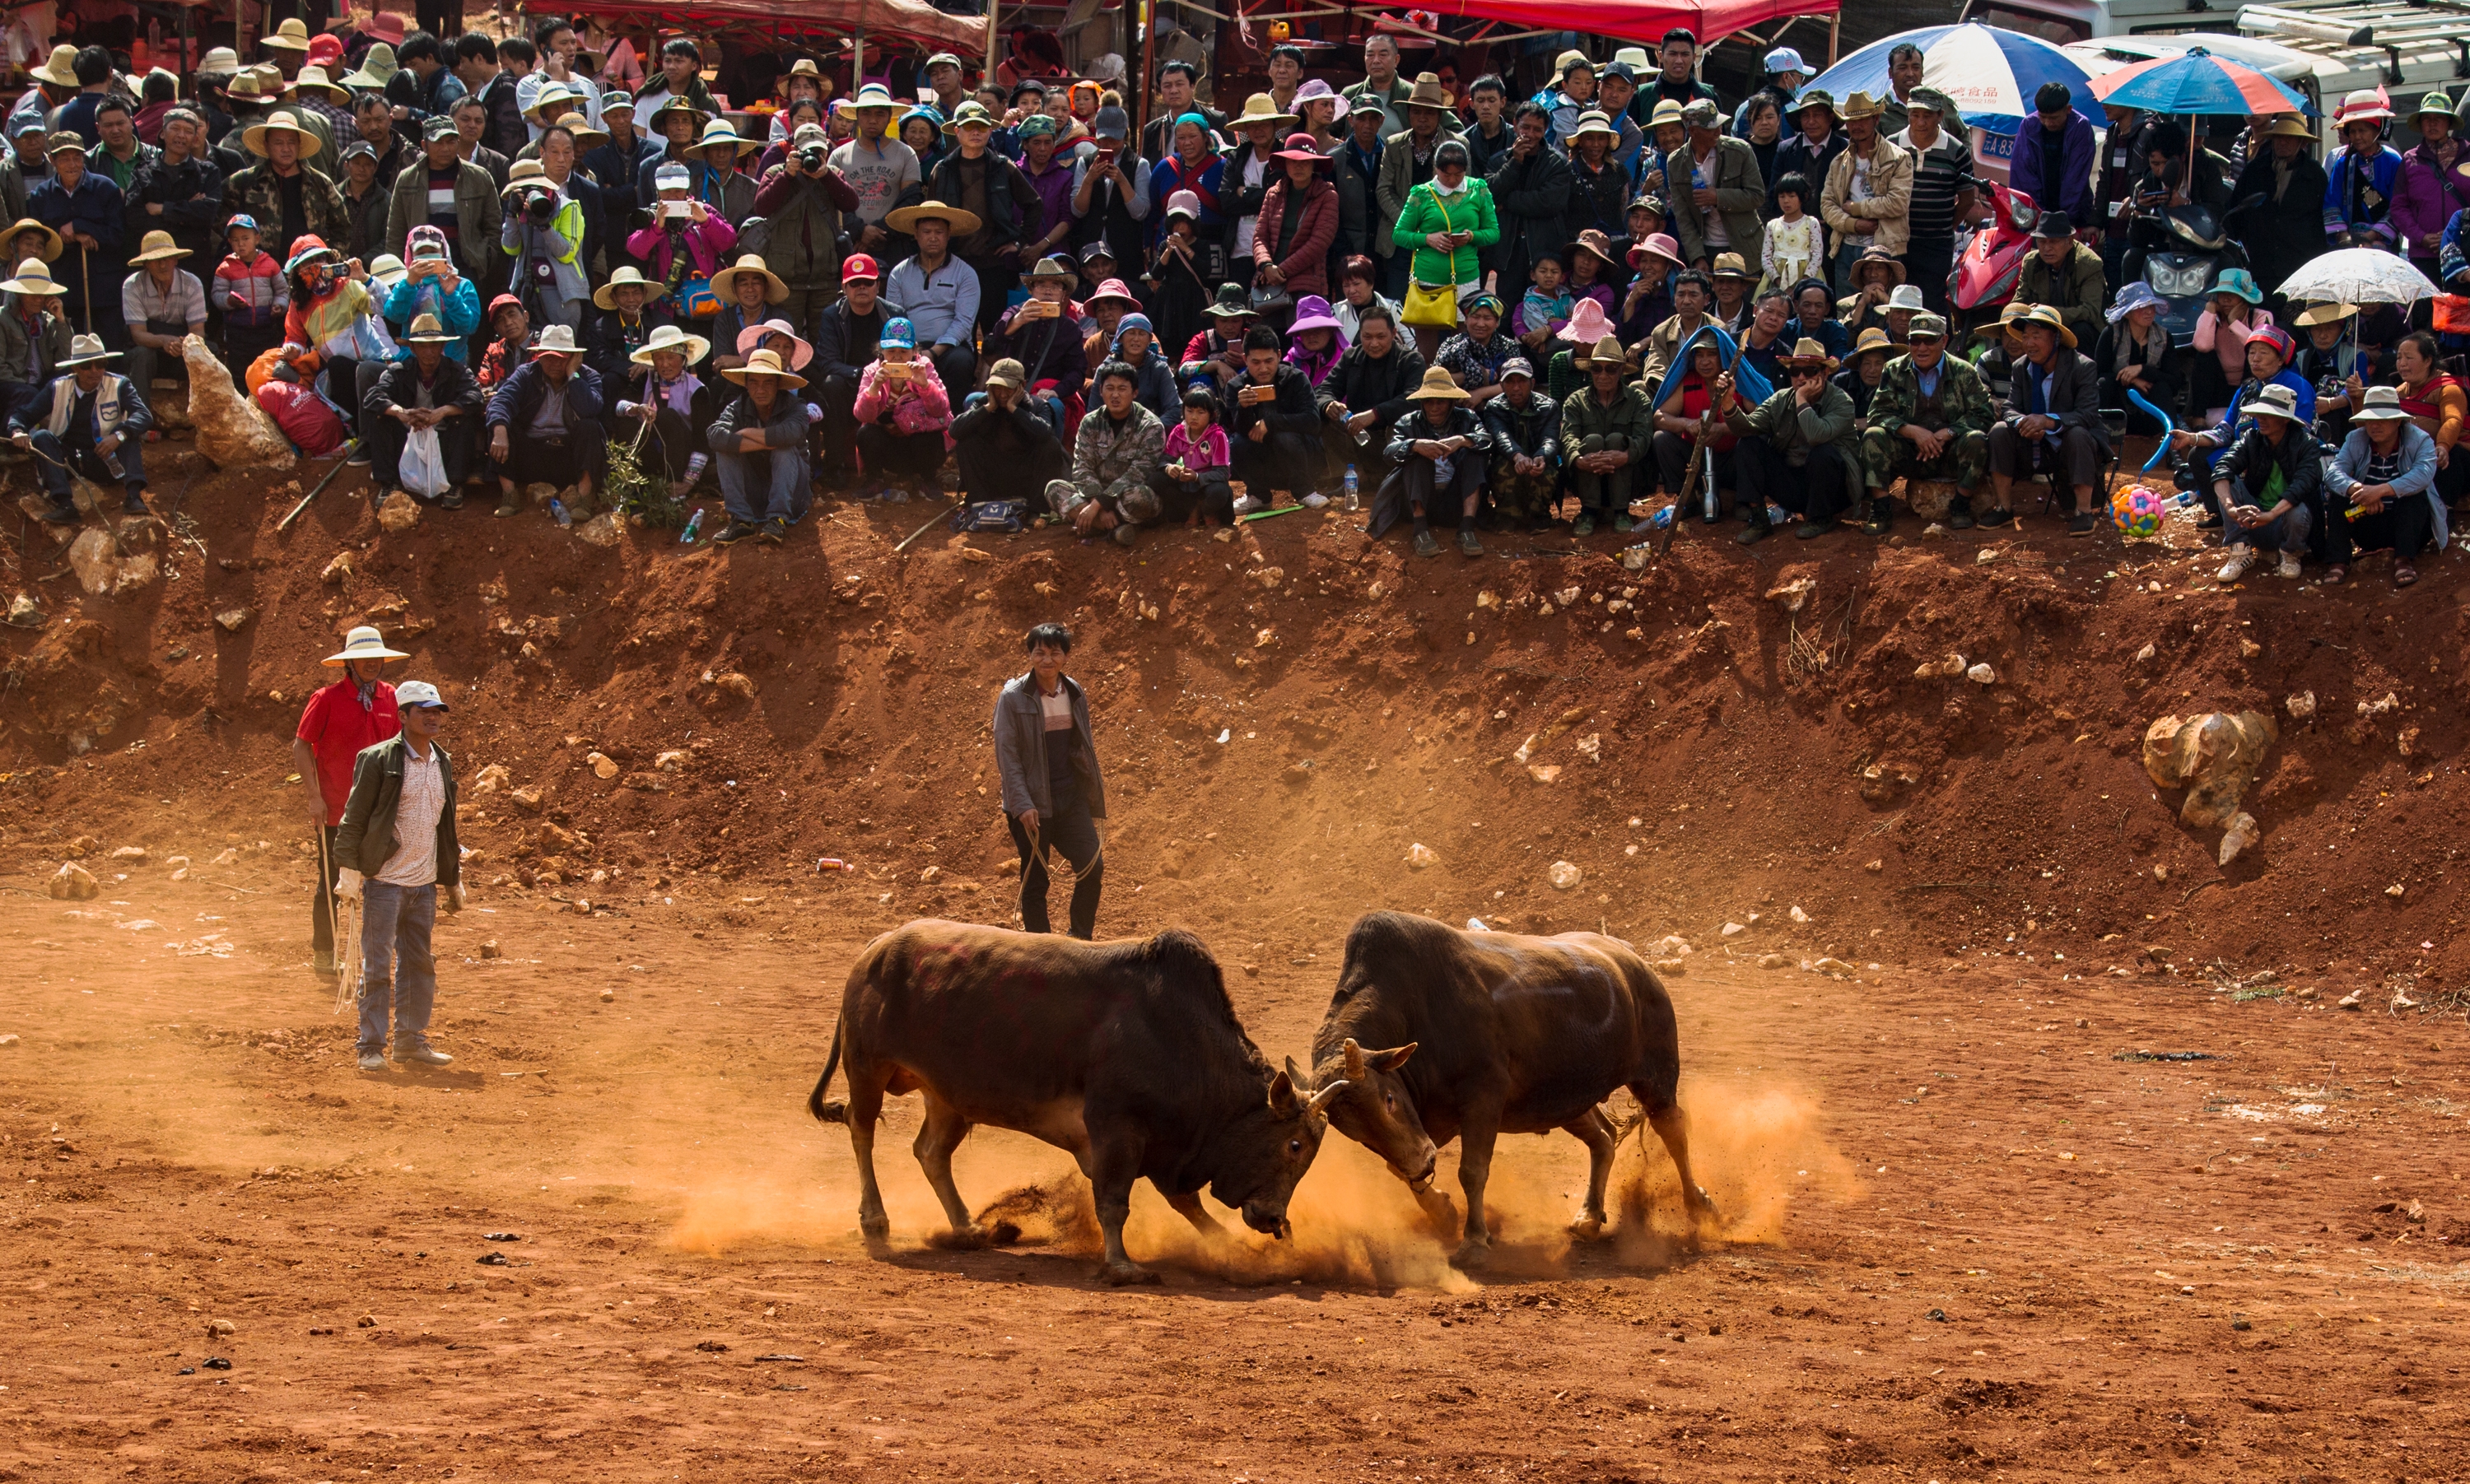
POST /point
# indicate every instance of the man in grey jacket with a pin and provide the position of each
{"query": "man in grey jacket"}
(1053, 793)
(397, 848)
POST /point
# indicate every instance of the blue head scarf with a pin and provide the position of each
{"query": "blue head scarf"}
(1753, 386)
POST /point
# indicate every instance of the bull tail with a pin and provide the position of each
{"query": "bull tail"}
(828, 1112)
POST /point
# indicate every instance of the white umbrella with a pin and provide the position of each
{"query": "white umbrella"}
(2358, 275)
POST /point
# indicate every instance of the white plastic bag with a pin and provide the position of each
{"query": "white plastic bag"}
(423, 469)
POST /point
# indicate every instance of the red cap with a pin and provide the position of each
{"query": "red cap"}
(503, 301)
(325, 49)
(858, 265)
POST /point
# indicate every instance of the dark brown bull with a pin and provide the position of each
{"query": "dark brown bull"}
(1126, 1055)
(1491, 1033)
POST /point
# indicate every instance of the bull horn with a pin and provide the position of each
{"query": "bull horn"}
(1320, 1099)
(1354, 1060)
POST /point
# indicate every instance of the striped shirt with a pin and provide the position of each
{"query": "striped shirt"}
(1940, 174)
(414, 861)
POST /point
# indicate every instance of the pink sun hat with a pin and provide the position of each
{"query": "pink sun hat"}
(1587, 324)
(754, 335)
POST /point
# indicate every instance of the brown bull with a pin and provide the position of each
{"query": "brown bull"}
(1491, 1033)
(1126, 1055)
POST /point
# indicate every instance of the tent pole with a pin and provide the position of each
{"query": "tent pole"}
(1834, 35)
(992, 6)
(1148, 67)
(857, 58)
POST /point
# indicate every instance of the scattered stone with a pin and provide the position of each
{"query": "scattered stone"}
(2301, 705)
(608, 996)
(1418, 856)
(737, 685)
(2241, 834)
(338, 569)
(233, 431)
(1544, 773)
(672, 760)
(1873, 866)
(528, 797)
(2248, 648)
(491, 778)
(368, 1321)
(602, 764)
(1945, 667)
(1734, 930)
(973, 554)
(133, 853)
(601, 530)
(1798, 915)
(2379, 707)
(1562, 875)
(929, 874)
(8, 1040)
(400, 512)
(232, 618)
(24, 612)
(1774, 961)
(73, 883)
(1488, 598)
(1671, 945)
(2394, 890)
(215, 1363)
(1832, 965)
(491, 950)
(230, 854)
(2406, 741)
(1264, 638)
(97, 561)
(2144, 654)
(539, 493)
(2213, 756)
(1591, 747)
(219, 1329)
(2356, 999)
(1269, 577)
(1982, 675)
(1793, 595)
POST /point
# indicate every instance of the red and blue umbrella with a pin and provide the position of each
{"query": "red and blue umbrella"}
(2196, 82)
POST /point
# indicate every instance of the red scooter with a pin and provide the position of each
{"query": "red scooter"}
(1983, 278)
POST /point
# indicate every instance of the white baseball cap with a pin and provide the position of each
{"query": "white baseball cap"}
(418, 693)
(1785, 58)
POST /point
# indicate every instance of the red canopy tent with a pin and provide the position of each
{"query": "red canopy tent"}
(1634, 20)
(896, 20)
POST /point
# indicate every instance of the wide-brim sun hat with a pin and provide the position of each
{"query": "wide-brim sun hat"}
(1115, 290)
(1587, 323)
(2316, 313)
(2383, 405)
(428, 330)
(33, 281)
(753, 338)
(1809, 355)
(281, 121)
(1312, 313)
(85, 349)
(156, 247)
(1906, 296)
(555, 341)
(669, 338)
(1608, 351)
(2137, 295)
(724, 283)
(365, 642)
(2047, 316)
(2238, 284)
(1437, 386)
(1655, 244)
(763, 363)
(52, 244)
(605, 297)
(905, 219)
(1302, 150)
(1260, 108)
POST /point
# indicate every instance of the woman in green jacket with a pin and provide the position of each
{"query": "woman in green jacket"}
(1451, 221)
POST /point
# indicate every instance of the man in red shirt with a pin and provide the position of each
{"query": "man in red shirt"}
(355, 713)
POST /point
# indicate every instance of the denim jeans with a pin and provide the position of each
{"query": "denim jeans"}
(764, 486)
(58, 459)
(398, 974)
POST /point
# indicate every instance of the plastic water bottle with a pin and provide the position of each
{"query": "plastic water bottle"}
(557, 508)
(694, 523)
(1352, 502)
(1661, 519)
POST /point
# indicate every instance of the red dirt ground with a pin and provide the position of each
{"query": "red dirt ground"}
(194, 1145)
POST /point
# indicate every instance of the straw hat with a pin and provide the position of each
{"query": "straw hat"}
(2048, 316)
(1608, 352)
(675, 104)
(605, 297)
(586, 137)
(256, 86)
(86, 348)
(1427, 92)
(1872, 339)
(281, 121)
(724, 283)
(1260, 108)
(426, 329)
(292, 35)
(1594, 121)
(669, 338)
(1730, 264)
(315, 77)
(555, 341)
(2324, 314)
(1907, 296)
(1877, 258)
(524, 173)
(555, 95)
(1593, 241)
(156, 247)
(220, 61)
(1054, 265)
(1861, 106)
(33, 281)
(720, 131)
(1808, 353)
(60, 70)
(763, 363)
(905, 219)
(365, 642)
(1437, 385)
(2288, 126)
(378, 67)
(1665, 113)
(52, 244)
(873, 95)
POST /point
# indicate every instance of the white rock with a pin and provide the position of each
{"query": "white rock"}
(2144, 654)
(1419, 856)
(1734, 928)
(2241, 833)
(1671, 945)
(1562, 875)
(2301, 706)
(1982, 675)
(1799, 915)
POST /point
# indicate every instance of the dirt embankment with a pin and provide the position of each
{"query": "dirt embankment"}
(1290, 709)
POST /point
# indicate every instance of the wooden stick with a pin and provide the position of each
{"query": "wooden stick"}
(1698, 449)
(930, 524)
(343, 461)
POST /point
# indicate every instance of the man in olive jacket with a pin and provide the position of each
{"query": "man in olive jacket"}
(1733, 195)
(1797, 449)
(2066, 275)
(397, 846)
(1047, 760)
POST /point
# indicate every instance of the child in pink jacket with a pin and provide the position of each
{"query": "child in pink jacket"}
(2235, 313)
(902, 415)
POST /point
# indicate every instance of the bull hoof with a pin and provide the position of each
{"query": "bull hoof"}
(1588, 1228)
(1703, 1212)
(1440, 1214)
(963, 1238)
(1471, 1254)
(1125, 1274)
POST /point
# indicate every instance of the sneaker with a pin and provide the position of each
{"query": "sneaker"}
(2240, 560)
(1623, 524)
(1811, 530)
(1586, 527)
(451, 499)
(733, 532)
(373, 1061)
(2290, 564)
(64, 513)
(428, 1057)
(1959, 517)
(359, 457)
(774, 529)
(895, 497)
(1883, 516)
(1995, 517)
(135, 504)
(511, 505)
(1467, 541)
(1426, 546)
(1316, 501)
(1246, 505)
(1127, 535)
(2083, 524)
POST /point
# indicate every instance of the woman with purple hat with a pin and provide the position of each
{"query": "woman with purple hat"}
(1299, 221)
(1315, 341)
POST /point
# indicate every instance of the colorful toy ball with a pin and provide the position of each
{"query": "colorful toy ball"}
(2138, 511)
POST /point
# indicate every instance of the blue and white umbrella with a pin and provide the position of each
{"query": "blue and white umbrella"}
(1988, 73)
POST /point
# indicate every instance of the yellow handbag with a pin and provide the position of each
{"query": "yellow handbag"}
(1434, 305)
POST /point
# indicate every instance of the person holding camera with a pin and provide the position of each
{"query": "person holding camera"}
(805, 201)
(543, 238)
(1110, 194)
(1004, 447)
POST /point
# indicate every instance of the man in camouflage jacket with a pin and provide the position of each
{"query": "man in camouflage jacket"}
(1940, 433)
(1116, 460)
